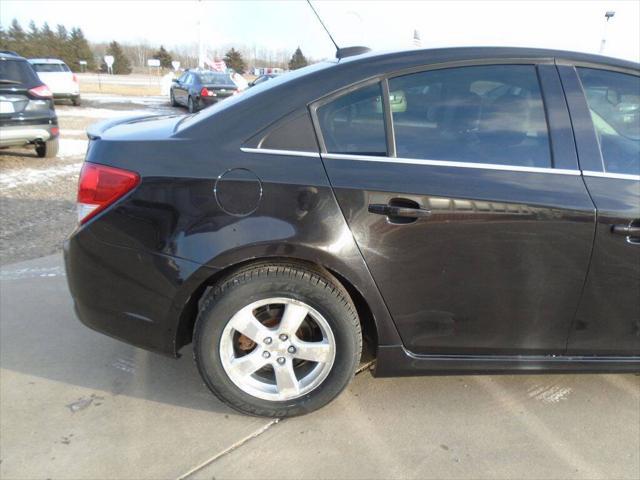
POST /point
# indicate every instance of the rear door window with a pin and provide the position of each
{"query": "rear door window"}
(479, 114)
(354, 123)
(17, 71)
(614, 103)
(50, 67)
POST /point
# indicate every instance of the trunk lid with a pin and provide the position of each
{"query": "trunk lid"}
(140, 127)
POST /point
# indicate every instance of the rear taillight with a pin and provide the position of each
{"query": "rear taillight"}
(42, 91)
(74, 78)
(205, 92)
(100, 186)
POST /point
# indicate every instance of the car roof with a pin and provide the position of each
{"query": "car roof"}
(46, 60)
(200, 71)
(415, 56)
(10, 54)
(316, 81)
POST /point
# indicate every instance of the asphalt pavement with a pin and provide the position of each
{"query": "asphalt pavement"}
(77, 404)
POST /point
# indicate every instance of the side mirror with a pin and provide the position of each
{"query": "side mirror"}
(175, 80)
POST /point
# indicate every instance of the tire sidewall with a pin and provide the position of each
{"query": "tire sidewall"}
(214, 318)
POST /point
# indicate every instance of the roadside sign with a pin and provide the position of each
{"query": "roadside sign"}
(108, 59)
(175, 64)
(153, 62)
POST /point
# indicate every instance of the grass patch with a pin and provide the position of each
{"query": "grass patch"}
(133, 90)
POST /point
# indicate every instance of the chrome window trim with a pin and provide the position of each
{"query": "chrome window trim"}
(449, 163)
(268, 151)
(416, 161)
(619, 176)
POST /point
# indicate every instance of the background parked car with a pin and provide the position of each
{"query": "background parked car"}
(197, 89)
(27, 114)
(262, 78)
(62, 82)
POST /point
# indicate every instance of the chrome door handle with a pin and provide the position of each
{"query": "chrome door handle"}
(397, 211)
(626, 230)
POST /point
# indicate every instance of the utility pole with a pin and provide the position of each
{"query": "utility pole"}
(608, 15)
(200, 43)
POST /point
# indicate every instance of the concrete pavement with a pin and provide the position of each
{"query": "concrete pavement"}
(76, 404)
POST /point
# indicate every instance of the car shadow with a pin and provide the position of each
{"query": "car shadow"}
(24, 152)
(41, 337)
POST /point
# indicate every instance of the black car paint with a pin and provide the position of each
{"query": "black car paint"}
(181, 92)
(136, 271)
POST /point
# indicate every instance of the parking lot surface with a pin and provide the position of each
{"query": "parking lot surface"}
(76, 404)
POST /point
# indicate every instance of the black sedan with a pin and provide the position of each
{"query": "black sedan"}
(197, 89)
(464, 210)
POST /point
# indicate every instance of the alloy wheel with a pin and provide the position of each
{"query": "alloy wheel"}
(277, 349)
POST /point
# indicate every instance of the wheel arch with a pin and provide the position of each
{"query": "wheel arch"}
(375, 322)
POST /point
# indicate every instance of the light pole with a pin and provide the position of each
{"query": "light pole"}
(200, 44)
(608, 15)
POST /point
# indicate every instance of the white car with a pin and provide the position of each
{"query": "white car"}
(58, 77)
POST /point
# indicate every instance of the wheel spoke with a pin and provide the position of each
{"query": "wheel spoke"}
(286, 380)
(313, 351)
(248, 364)
(292, 318)
(245, 323)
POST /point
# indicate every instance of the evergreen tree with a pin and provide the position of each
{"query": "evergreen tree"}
(47, 46)
(16, 33)
(233, 59)
(164, 57)
(121, 63)
(33, 34)
(16, 38)
(79, 50)
(4, 39)
(298, 60)
(61, 33)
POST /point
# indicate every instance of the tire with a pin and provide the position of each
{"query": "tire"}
(331, 322)
(48, 149)
(191, 105)
(76, 101)
(172, 98)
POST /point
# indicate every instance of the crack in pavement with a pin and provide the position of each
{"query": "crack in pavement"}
(240, 443)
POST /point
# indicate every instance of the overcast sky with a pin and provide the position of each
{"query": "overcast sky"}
(572, 25)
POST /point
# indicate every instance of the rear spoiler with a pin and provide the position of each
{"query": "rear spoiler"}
(95, 131)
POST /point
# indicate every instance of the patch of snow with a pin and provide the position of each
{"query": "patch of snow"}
(29, 176)
(100, 113)
(154, 100)
(72, 132)
(71, 147)
(22, 273)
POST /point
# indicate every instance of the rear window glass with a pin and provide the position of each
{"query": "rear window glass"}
(480, 114)
(16, 71)
(614, 102)
(50, 67)
(216, 78)
(354, 123)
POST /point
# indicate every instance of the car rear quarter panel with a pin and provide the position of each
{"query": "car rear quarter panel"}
(175, 222)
